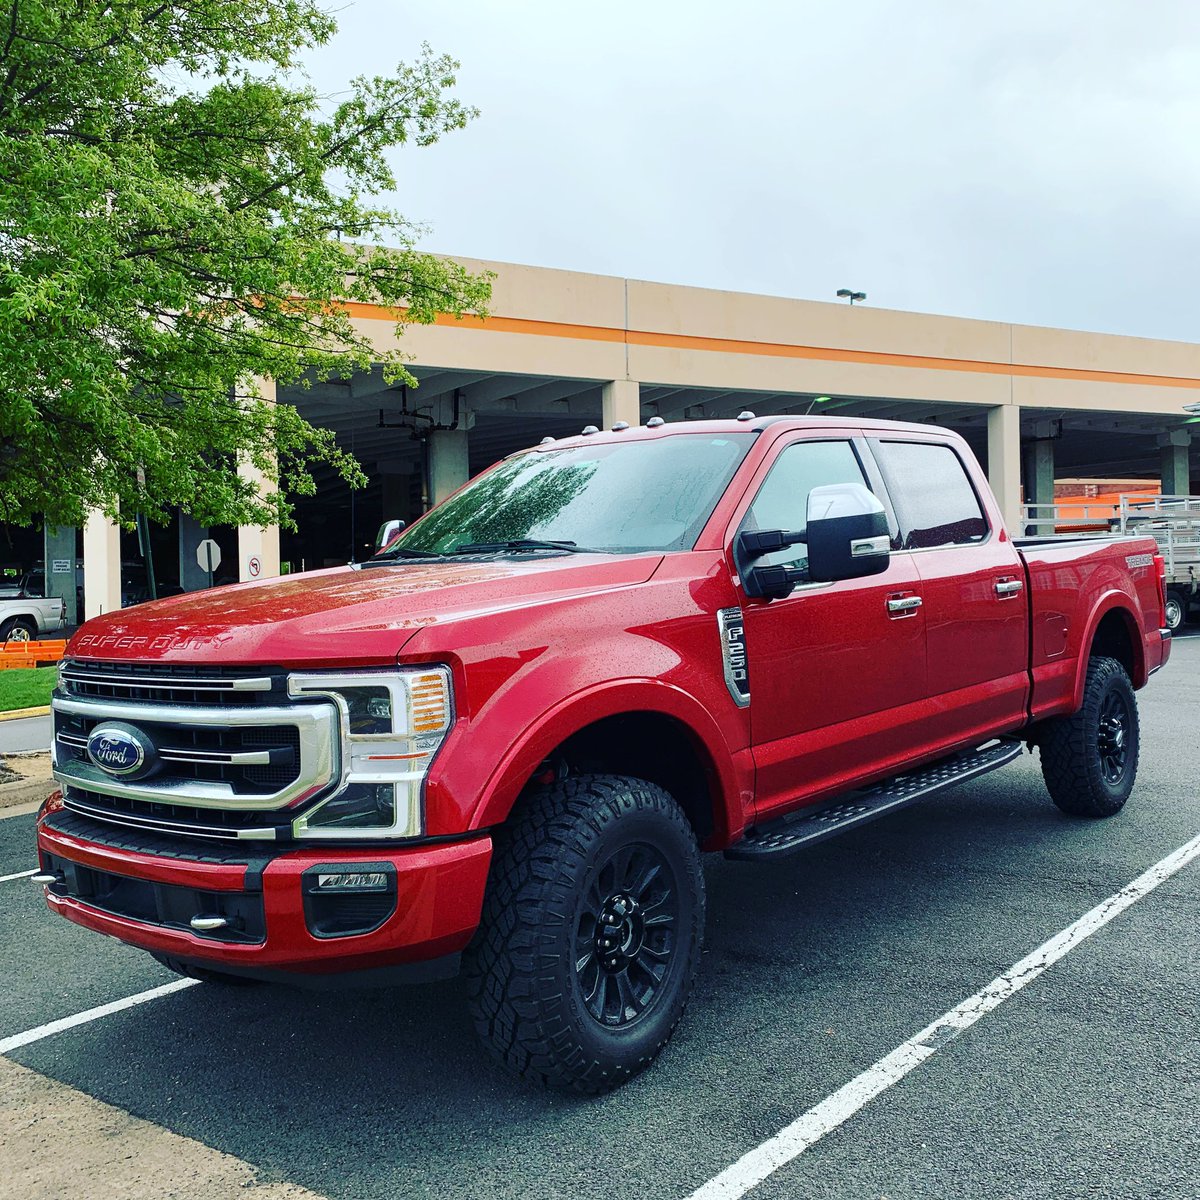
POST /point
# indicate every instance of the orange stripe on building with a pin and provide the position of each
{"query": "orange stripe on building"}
(683, 341)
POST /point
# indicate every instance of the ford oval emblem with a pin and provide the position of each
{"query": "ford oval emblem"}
(119, 749)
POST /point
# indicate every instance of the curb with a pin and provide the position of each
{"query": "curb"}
(17, 714)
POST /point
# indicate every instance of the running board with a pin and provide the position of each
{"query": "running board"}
(798, 830)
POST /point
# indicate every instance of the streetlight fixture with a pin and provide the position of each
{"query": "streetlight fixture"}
(847, 294)
(1192, 408)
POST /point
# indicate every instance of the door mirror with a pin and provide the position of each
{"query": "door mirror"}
(847, 533)
(389, 531)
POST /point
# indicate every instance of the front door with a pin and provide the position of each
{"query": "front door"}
(837, 670)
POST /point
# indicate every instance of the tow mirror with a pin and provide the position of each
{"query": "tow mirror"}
(846, 535)
(389, 531)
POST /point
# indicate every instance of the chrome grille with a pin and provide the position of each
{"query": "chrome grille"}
(251, 759)
(159, 683)
(232, 748)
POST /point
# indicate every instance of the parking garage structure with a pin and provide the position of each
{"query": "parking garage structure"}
(560, 350)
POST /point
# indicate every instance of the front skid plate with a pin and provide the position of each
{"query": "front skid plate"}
(798, 830)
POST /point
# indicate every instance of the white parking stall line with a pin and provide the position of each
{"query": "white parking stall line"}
(92, 1014)
(18, 875)
(764, 1160)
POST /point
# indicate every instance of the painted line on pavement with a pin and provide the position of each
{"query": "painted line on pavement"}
(790, 1142)
(18, 875)
(92, 1014)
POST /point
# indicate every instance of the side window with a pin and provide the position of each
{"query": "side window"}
(782, 501)
(932, 492)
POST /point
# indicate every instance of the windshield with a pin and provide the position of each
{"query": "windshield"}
(615, 497)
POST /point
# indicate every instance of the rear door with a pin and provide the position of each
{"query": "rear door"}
(972, 587)
(836, 670)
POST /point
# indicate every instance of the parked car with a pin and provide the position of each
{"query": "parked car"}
(502, 744)
(25, 617)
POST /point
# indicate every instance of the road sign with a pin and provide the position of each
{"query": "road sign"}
(208, 555)
(254, 568)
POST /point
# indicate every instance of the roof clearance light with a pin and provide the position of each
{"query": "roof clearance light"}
(655, 423)
(590, 429)
(745, 416)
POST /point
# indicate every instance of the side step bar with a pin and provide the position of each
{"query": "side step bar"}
(798, 830)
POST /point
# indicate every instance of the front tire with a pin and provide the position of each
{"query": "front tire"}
(590, 935)
(1089, 759)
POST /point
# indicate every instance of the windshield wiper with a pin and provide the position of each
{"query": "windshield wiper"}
(390, 556)
(519, 544)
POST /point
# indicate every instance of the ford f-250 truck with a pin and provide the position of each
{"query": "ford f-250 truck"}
(504, 741)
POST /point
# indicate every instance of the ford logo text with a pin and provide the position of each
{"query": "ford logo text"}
(119, 749)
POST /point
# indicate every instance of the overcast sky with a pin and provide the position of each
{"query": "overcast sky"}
(1033, 160)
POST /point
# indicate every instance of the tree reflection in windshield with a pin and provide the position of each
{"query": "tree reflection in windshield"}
(652, 494)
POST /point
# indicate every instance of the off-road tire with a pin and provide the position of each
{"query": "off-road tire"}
(566, 867)
(18, 629)
(1089, 771)
(203, 974)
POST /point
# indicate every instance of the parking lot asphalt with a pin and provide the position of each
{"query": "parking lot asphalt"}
(1086, 1083)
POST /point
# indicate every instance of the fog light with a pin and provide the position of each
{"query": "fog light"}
(358, 881)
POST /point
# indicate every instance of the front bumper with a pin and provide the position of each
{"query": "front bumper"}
(144, 889)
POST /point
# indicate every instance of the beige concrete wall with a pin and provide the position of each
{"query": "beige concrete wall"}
(565, 323)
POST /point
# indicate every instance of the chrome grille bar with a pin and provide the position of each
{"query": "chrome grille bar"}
(183, 683)
(316, 724)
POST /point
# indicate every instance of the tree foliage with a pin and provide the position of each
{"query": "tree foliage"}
(180, 215)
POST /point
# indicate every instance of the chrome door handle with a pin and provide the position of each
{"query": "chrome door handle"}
(904, 604)
(1008, 587)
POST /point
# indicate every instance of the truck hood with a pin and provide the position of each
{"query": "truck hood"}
(347, 616)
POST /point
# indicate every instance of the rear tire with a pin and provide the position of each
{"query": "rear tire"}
(18, 629)
(590, 935)
(203, 974)
(1089, 759)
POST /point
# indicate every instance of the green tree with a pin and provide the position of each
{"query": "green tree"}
(181, 214)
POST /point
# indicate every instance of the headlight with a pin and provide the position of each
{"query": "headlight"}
(392, 724)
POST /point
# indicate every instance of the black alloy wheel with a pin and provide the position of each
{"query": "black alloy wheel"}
(626, 934)
(1111, 739)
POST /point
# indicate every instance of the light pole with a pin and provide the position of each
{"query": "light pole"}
(847, 294)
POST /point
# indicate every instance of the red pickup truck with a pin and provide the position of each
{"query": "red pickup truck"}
(502, 743)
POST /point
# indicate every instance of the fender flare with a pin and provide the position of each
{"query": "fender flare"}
(1112, 601)
(595, 703)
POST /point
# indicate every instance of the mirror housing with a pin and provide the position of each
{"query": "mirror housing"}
(847, 538)
(847, 532)
(389, 531)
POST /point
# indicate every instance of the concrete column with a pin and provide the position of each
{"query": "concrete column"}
(192, 576)
(59, 556)
(621, 401)
(258, 547)
(1175, 448)
(1004, 462)
(448, 463)
(1039, 481)
(101, 565)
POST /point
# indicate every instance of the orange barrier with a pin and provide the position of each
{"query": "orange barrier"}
(30, 654)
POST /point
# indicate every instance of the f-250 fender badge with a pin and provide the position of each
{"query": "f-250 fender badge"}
(733, 654)
(1133, 561)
